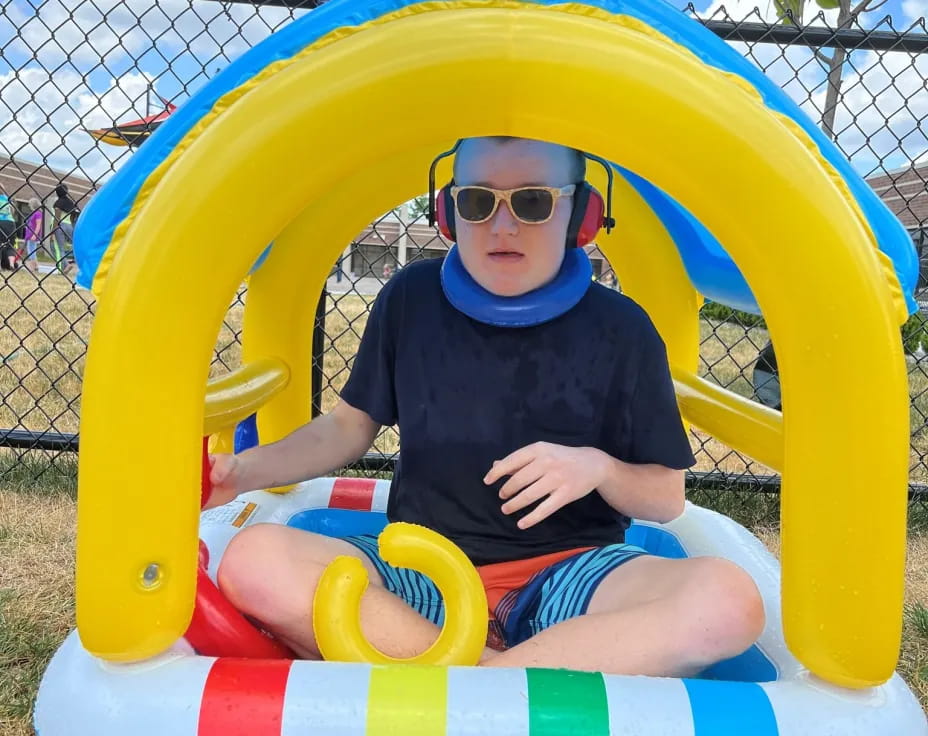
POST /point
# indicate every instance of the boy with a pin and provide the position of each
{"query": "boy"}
(529, 446)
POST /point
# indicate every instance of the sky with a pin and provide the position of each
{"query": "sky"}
(67, 65)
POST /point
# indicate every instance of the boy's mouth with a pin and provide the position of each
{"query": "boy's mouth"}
(505, 256)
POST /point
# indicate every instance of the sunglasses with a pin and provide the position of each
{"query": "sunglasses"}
(529, 205)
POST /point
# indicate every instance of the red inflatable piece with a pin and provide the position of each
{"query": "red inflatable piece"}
(219, 629)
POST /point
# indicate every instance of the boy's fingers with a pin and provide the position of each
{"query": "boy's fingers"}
(520, 480)
(220, 472)
(537, 490)
(509, 465)
(541, 512)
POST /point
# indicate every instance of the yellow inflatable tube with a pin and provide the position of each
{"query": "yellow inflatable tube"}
(337, 603)
(832, 596)
(239, 394)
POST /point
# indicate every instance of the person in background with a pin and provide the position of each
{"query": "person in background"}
(65, 217)
(35, 231)
(7, 233)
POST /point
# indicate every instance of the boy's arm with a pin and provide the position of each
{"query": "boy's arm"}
(315, 449)
(648, 492)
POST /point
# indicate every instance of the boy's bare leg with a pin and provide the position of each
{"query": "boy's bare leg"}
(653, 616)
(270, 572)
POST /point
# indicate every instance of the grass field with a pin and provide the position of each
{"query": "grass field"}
(42, 361)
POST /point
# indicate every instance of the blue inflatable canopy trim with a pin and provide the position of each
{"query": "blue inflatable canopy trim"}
(710, 276)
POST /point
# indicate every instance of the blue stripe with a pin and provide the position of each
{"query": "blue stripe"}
(730, 709)
(583, 573)
(616, 559)
(576, 583)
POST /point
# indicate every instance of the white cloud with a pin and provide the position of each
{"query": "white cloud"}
(882, 109)
(914, 9)
(87, 34)
(882, 114)
(46, 105)
(793, 68)
(48, 124)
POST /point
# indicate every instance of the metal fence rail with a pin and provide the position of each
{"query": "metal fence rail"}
(83, 82)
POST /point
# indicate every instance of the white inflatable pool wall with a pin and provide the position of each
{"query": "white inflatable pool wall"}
(84, 696)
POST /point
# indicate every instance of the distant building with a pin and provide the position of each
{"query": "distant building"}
(905, 192)
(22, 181)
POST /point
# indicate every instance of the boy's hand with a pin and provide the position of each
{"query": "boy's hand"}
(224, 475)
(555, 473)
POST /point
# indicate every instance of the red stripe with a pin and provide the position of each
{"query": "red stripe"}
(244, 697)
(356, 494)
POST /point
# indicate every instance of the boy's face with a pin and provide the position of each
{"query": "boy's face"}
(505, 256)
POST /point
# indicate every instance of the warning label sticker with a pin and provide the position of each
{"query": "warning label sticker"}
(245, 513)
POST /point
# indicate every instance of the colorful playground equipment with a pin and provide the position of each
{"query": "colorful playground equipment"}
(157, 649)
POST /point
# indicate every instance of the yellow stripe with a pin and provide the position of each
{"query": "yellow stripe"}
(404, 700)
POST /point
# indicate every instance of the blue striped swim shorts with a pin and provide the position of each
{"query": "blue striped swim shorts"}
(553, 594)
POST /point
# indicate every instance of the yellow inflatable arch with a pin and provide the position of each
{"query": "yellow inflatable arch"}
(609, 85)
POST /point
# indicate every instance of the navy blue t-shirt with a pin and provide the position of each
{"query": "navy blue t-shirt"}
(465, 394)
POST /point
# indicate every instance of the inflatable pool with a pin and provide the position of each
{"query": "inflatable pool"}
(615, 78)
(763, 692)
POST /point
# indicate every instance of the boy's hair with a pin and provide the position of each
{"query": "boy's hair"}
(577, 171)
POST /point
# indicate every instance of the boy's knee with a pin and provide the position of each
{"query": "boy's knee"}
(253, 570)
(728, 611)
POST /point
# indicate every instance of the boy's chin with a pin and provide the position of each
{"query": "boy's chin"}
(508, 289)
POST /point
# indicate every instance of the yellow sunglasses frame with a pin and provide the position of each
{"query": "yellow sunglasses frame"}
(505, 195)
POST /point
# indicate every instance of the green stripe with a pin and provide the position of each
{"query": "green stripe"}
(562, 703)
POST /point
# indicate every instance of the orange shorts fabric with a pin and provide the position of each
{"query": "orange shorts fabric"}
(504, 577)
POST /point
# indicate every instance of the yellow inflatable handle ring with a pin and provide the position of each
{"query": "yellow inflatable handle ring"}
(337, 602)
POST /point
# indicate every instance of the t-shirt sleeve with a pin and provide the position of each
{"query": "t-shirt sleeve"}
(656, 433)
(371, 387)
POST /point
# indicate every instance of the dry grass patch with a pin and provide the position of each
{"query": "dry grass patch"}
(36, 596)
(913, 663)
(42, 347)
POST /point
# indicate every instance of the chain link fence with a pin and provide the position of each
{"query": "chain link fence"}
(82, 84)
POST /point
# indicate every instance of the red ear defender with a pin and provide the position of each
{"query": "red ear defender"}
(444, 213)
(592, 220)
(586, 217)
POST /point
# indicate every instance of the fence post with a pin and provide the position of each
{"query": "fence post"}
(319, 353)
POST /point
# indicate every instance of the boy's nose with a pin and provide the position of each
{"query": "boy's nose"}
(503, 221)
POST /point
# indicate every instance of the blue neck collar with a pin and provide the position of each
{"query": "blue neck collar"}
(541, 305)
